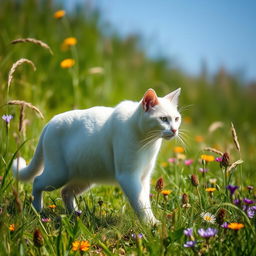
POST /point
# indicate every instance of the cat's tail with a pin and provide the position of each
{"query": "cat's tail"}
(23, 172)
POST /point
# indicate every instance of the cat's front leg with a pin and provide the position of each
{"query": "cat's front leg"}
(138, 196)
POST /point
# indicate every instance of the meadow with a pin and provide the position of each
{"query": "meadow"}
(203, 188)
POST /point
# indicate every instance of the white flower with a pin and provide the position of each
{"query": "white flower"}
(208, 217)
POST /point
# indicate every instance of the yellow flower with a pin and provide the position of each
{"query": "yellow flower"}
(59, 14)
(67, 63)
(80, 245)
(166, 192)
(210, 189)
(70, 41)
(164, 164)
(178, 150)
(12, 227)
(199, 138)
(207, 158)
(52, 206)
(235, 226)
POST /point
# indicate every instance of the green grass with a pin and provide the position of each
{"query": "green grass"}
(112, 228)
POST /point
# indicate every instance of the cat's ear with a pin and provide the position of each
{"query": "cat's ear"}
(173, 96)
(149, 100)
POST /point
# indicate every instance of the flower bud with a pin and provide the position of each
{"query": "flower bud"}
(38, 238)
(225, 160)
(194, 180)
(220, 216)
(159, 185)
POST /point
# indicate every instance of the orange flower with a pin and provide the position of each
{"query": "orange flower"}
(52, 206)
(199, 138)
(235, 225)
(166, 192)
(67, 63)
(12, 227)
(207, 158)
(210, 189)
(164, 164)
(80, 245)
(69, 41)
(178, 150)
(59, 14)
(187, 120)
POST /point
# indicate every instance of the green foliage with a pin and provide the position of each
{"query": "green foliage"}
(125, 73)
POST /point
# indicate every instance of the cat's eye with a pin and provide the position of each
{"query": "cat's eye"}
(164, 119)
(177, 119)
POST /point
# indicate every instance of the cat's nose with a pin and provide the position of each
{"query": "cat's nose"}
(173, 130)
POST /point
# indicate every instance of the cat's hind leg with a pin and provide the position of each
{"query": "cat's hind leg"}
(69, 192)
(47, 181)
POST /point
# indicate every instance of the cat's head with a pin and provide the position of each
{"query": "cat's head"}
(160, 116)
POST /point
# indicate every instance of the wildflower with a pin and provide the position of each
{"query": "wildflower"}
(12, 227)
(67, 63)
(59, 14)
(69, 41)
(172, 160)
(46, 220)
(199, 138)
(220, 216)
(248, 201)
(207, 158)
(96, 70)
(187, 119)
(137, 236)
(164, 164)
(178, 150)
(225, 160)
(218, 159)
(82, 246)
(188, 162)
(210, 189)
(78, 213)
(224, 225)
(251, 211)
(194, 180)
(52, 206)
(203, 170)
(235, 226)
(166, 192)
(207, 233)
(213, 181)
(7, 118)
(189, 244)
(38, 238)
(250, 188)
(232, 189)
(237, 202)
(188, 232)
(208, 217)
(159, 185)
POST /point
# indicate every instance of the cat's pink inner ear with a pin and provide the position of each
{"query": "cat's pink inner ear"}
(149, 100)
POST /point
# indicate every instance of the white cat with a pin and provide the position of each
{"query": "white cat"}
(80, 148)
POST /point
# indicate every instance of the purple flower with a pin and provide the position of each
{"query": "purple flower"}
(250, 188)
(224, 225)
(188, 162)
(218, 159)
(207, 233)
(188, 231)
(7, 118)
(78, 213)
(248, 201)
(232, 189)
(251, 211)
(190, 244)
(139, 236)
(237, 202)
(203, 170)
(46, 220)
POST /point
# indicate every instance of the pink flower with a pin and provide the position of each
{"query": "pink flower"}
(172, 160)
(218, 159)
(188, 162)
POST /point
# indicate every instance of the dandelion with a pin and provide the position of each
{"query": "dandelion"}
(166, 192)
(235, 226)
(207, 158)
(189, 244)
(59, 14)
(70, 41)
(52, 206)
(82, 246)
(210, 190)
(207, 233)
(208, 217)
(178, 150)
(12, 227)
(67, 63)
(188, 162)
(7, 118)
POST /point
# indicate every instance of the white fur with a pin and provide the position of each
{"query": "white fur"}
(80, 148)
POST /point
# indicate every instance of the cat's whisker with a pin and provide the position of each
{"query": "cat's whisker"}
(184, 108)
(183, 142)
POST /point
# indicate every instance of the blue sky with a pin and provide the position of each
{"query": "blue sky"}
(220, 32)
